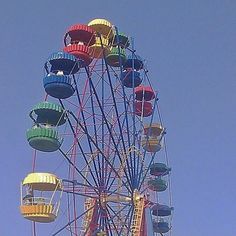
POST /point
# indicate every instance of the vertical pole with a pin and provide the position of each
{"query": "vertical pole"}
(148, 223)
(134, 128)
(34, 228)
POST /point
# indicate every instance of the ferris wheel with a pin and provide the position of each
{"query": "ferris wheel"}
(101, 116)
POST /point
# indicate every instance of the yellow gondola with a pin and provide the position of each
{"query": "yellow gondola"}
(102, 26)
(39, 203)
(155, 129)
(151, 144)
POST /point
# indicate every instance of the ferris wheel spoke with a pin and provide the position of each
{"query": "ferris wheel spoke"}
(74, 166)
(72, 221)
(85, 125)
(114, 192)
(109, 226)
(81, 149)
(99, 150)
(75, 183)
(104, 164)
(96, 135)
(116, 112)
(110, 218)
(106, 224)
(109, 174)
(118, 143)
(79, 194)
(124, 225)
(141, 176)
(107, 125)
(132, 164)
(121, 169)
(112, 221)
(115, 107)
(69, 213)
(141, 180)
(116, 215)
(140, 159)
(101, 221)
(129, 160)
(128, 221)
(96, 144)
(133, 117)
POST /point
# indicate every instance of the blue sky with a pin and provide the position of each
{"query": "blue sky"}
(190, 48)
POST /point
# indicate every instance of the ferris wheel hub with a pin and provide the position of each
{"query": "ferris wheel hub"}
(137, 196)
(104, 198)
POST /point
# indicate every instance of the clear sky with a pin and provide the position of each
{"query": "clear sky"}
(190, 48)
